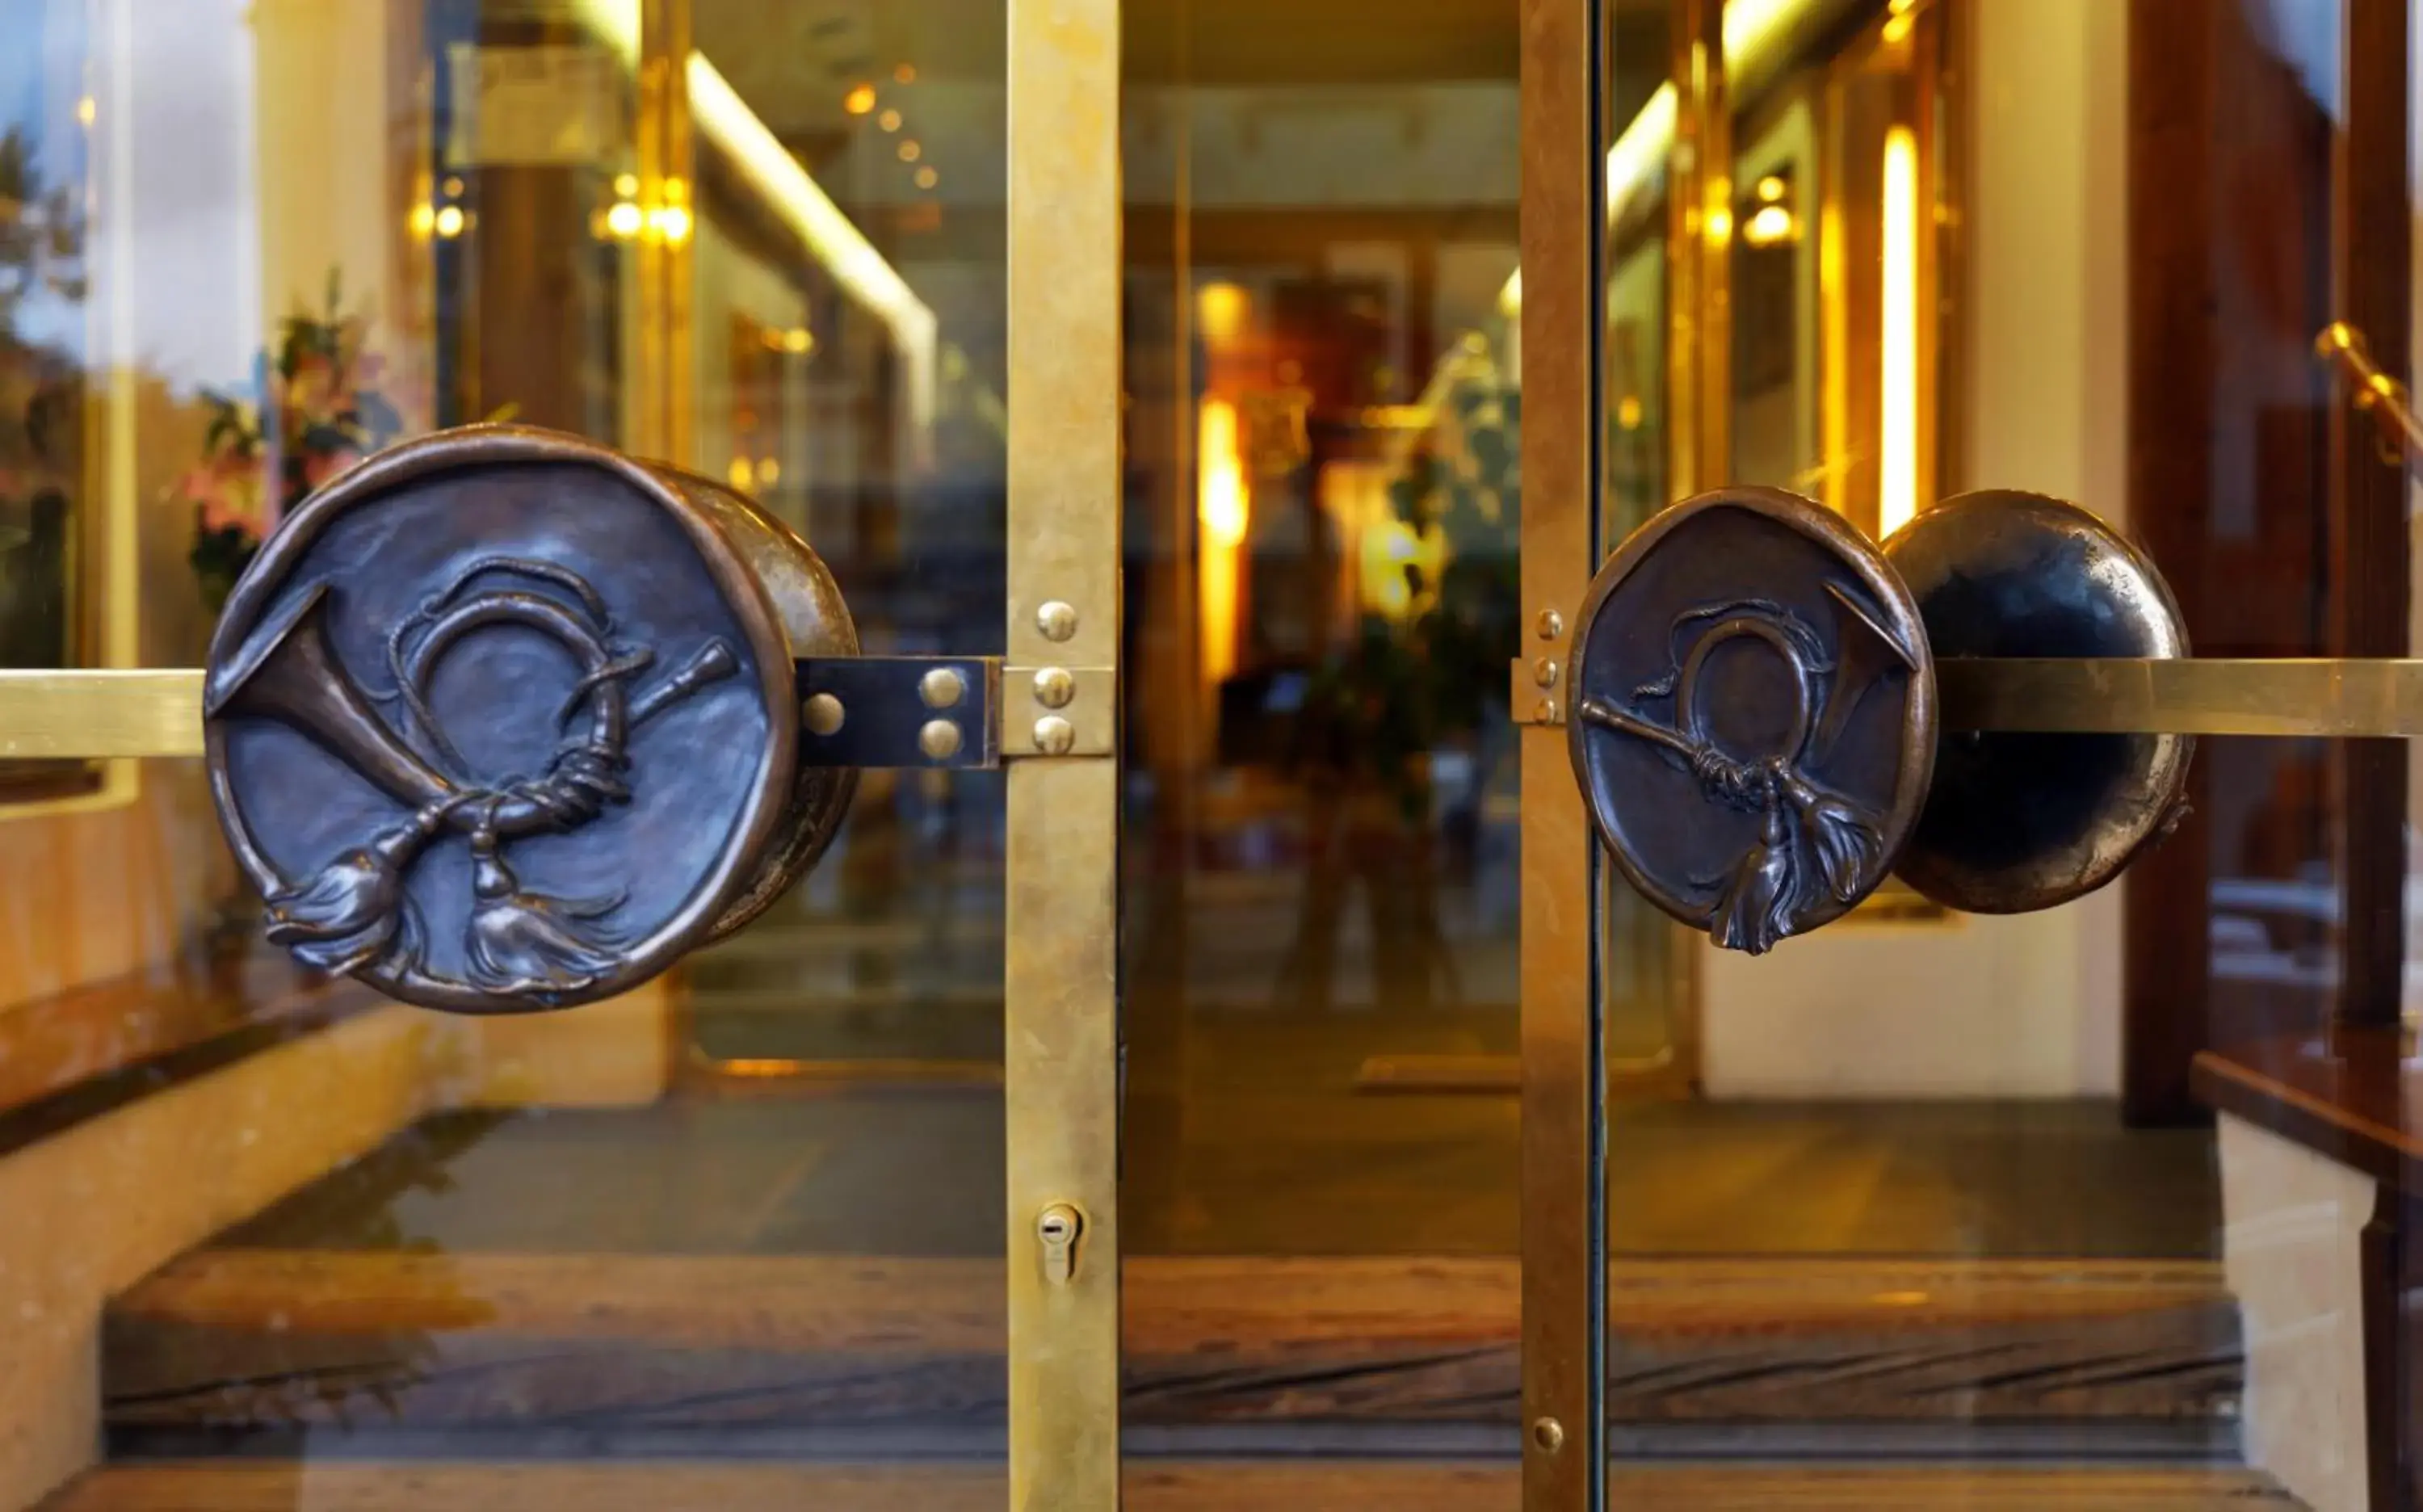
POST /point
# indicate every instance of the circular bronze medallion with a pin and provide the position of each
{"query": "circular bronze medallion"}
(815, 621)
(500, 721)
(1752, 714)
(2018, 821)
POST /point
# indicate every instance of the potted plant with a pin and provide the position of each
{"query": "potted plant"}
(318, 409)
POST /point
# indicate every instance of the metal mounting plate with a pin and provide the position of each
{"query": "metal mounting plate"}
(937, 712)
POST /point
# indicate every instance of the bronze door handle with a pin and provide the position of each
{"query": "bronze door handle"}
(1770, 713)
(502, 721)
(2375, 393)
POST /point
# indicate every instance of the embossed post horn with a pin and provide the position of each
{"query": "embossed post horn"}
(290, 675)
(1769, 713)
(502, 720)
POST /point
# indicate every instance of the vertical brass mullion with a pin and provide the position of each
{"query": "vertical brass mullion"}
(1060, 1026)
(1563, 213)
(1699, 263)
(668, 172)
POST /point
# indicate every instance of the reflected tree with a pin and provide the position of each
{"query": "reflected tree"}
(1425, 673)
(42, 245)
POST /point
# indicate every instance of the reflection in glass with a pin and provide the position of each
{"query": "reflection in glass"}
(1320, 874)
(243, 243)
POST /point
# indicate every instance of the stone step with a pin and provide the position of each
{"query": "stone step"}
(1902, 1357)
(1150, 1486)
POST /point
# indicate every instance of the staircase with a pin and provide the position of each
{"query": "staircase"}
(366, 1351)
(726, 1294)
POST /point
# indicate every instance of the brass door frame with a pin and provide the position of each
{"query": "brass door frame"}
(1566, 1071)
(1060, 986)
(1060, 1029)
(1563, 1138)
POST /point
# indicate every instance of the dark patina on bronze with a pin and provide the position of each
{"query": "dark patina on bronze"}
(1753, 714)
(819, 626)
(2019, 820)
(502, 721)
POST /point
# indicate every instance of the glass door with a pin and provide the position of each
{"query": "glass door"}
(2017, 1120)
(782, 761)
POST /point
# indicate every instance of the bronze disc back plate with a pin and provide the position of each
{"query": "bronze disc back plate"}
(2020, 820)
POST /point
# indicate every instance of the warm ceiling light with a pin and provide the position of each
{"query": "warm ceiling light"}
(911, 151)
(423, 219)
(1770, 189)
(797, 339)
(860, 100)
(905, 73)
(1752, 30)
(626, 184)
(928, 178)
(1898, 344)
(672, 223)
(1771, 225)
(1221, 309)
(833, 240)
(889, 121)
(449, 221)
(624, 219)
(453, 184)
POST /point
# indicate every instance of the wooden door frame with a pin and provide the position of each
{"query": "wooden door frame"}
(2179, 89)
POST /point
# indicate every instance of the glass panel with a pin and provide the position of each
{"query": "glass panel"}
(1948, 1181)
(1643, 968)
(753, 1208)
(1322, 910)
(1322, 579)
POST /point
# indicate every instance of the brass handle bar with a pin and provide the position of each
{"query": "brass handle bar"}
(2271, 696)
(2375, 393)
(47, 715)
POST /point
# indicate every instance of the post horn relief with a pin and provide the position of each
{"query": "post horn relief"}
(500, 721)
(1753, 714)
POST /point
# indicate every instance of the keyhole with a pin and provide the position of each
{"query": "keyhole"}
(1058, 1227)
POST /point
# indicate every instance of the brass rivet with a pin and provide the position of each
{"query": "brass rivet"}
(1543, 671)
(1056, 620)
(938, 739)
(1054, 735)
(1551, 624)
(1548, 1434)
(822, 714)
(1054, 687)
(1545, 711)
(941, 687)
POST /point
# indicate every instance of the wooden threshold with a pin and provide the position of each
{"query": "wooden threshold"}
(659, 1486)
(245, 1340)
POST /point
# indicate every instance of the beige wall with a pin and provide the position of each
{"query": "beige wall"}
(2293, 1237)
(95, 1209)
(2026, 1005)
